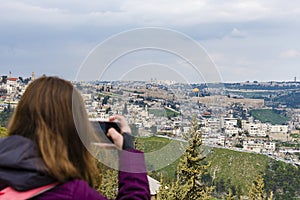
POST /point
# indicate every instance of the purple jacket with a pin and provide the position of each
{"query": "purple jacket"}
(21, 169)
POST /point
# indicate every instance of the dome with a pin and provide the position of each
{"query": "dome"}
(196, 90)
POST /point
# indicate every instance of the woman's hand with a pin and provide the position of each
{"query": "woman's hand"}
(125, 128)
(116, 136)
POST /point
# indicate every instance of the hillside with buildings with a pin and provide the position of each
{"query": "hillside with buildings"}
(249, 117)
(165, 108)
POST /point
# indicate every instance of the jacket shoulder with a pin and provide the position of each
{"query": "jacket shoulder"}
(75, 190)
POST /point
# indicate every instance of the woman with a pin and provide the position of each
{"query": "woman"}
(49, 131)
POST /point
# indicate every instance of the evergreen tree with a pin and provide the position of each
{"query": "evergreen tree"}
(125, 110)
(3, 132)
(105, 100)
(191, 169)
(257, 190)
(107, 181)
(229, 196)
(167, 191)
(5, 115)
(239, 123)
(271, 196)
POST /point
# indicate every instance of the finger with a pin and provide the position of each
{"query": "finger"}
(123, 123)
(112, 118)
(120, 118)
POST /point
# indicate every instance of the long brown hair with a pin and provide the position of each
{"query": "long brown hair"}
(51, 112)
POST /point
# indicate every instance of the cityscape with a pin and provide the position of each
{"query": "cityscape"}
(258, 117)
(210, 91)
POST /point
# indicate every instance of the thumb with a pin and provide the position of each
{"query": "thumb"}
(116, 137)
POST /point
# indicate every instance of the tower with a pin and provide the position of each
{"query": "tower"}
(32, 76)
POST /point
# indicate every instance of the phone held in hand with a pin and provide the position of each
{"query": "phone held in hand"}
(102, 127)
(106, 125)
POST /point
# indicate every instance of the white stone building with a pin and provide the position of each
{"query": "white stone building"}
(253, 145)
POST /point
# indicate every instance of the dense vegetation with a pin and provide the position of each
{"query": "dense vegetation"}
(270, 115)
(235, 171)
(291, 99)
(3, 132)
(258, 86)
(283, 180)
(266, 95)
(5, 116)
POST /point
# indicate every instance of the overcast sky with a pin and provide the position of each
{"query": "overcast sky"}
(247, 40)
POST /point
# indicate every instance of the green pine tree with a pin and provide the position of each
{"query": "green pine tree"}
(257, 190)
(167, 191)
(271, 196)
(107, 181)
(191, 168)
(3, 132)
(188, 185)
(229, 196)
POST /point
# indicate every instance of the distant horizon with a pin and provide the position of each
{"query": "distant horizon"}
(244, 81)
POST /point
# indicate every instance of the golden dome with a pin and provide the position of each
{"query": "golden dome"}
(196, 90)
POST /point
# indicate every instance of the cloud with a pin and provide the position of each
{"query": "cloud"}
(55, 33)
(236, 33)
(142, 13)
(290, 54)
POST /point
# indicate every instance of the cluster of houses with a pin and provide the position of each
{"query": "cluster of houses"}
(249, 135)
(157, 109)
(11, 90)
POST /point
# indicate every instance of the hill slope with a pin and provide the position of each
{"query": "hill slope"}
(238, 169)
(235, 170)
(268, 115)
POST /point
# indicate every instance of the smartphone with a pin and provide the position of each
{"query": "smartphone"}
(102, 127)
